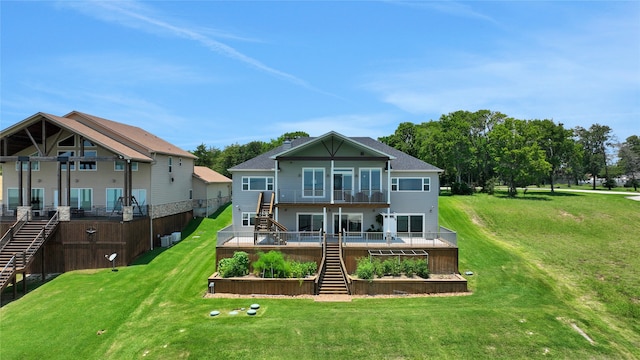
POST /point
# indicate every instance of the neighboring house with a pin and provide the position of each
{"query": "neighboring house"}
(110, 187)
(354, 191)
(210, 191)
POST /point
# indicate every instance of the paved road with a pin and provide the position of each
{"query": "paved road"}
(630, 195)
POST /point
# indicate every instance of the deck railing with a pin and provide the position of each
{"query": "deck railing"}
(444, 237)
(297, 196)
(95, 211)
(229, 236)
(409, 238)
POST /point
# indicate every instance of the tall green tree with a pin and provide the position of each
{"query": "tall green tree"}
(274, 143)
(518, 157)
(455, 143)
(482, 123)
(629, 155)
(558, 144)
(404, 139)
(595, 142)
(206, 156)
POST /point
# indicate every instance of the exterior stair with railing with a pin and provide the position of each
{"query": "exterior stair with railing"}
(332, 278)
(19, 250)
(265, 224)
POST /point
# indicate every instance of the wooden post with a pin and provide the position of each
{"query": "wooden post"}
(42, 249)
(15, 267)
(24, 273)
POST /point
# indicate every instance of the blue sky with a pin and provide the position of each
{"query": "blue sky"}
(227, 72)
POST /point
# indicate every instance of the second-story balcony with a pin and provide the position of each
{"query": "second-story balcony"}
(297, 196)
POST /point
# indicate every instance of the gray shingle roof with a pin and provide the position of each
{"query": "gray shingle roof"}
(402, 161)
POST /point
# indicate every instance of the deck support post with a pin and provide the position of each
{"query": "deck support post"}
(24, 273)
(42, 267)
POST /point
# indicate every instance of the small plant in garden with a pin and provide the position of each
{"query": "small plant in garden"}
(271, 265)
(303, 269)
(238, 265)
(365, 269)
(274, 265)
(369, 269)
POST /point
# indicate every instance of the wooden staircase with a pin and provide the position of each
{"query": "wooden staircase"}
(20, 246)
(265, 223)
(332, 277)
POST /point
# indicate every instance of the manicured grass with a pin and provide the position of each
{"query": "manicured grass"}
(527, 293)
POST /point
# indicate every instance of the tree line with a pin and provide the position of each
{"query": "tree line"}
(484, 148)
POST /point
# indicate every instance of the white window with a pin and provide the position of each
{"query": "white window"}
(310, 222)
(69, 154)
(68, 141)
(87, 143)
(82, 198)
(313, 182)
(410, 184)
(37, 198)
(119, 165)
(89, 165)
(248, 219)
(13, 197)
(410, 223)
(113, 194)
(170, 164)
(370, 180)
(257, 183)
(348, 222)
(140, 195)
(35, 165)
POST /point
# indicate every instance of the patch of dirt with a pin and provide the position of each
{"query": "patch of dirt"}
(571, 216)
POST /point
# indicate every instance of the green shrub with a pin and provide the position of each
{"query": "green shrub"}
(365, 269)
(422, 268)
(408, 267)
(302, 269)
(238, 265)
(460, 188)
(271, 265)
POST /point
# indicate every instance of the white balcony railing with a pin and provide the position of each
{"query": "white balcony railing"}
(297, 196)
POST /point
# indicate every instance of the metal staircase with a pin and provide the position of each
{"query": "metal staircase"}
(20, 244)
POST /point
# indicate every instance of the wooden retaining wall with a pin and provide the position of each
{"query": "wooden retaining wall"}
(408, 286)
(441, 260)
(251, 285)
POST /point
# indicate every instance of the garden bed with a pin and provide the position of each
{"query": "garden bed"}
(251, 284)
(402, 285)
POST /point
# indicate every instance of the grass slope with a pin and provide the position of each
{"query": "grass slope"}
(522, 306)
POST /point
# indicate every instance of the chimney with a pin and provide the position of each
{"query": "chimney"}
(286, 144)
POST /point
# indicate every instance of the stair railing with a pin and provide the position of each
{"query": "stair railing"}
(345, 276)
(322, 263)
(8, 236)
(9, 268)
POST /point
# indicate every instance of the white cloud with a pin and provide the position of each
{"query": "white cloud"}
(135, 15)
(587, 75)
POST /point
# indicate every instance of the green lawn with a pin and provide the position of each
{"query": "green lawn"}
(543, 266)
